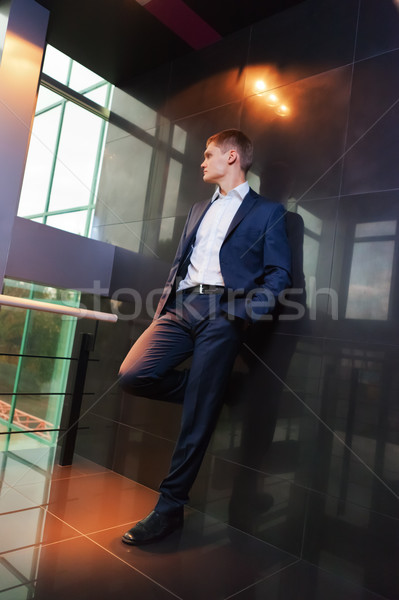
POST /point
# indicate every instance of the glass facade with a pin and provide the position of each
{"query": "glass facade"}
(59, 189)
(35, 349)
(65, 152)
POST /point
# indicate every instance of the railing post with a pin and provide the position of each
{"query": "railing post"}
(69, 437)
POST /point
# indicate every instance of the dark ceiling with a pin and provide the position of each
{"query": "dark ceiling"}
(119, 39)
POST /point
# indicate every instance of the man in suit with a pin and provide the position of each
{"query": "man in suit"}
(232, 262)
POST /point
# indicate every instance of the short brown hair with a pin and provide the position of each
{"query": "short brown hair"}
(234, 138)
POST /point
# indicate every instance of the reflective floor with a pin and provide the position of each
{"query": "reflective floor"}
(60, 530)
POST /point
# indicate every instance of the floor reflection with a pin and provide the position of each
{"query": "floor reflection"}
(60, 538)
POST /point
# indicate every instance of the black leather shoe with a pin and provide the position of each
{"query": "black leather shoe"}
(154, 527)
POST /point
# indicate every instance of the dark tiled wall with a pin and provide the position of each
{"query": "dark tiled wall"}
(305, 455)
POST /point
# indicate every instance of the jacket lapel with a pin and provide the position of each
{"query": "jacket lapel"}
(196, 219)
(246, 205)
(192, 228)
(197, 216)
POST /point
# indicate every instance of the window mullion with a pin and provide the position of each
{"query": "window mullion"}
(63, 90)
(54, 163)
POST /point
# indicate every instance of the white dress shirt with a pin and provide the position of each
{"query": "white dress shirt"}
(204, 264)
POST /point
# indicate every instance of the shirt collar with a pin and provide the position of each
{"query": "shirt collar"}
(241, 191)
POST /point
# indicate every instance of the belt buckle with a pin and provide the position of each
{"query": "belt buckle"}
(201, 288)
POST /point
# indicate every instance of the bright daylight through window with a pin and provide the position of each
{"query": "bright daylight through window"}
(59, 189)
(66, 147)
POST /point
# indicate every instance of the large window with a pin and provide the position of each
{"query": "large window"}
(35, 349)
(65, 152)
(59, 189)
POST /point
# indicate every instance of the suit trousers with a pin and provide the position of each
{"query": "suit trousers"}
(195, 326)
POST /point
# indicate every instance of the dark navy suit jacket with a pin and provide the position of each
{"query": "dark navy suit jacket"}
(255, 257)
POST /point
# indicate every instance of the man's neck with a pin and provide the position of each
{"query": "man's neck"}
(226, 186)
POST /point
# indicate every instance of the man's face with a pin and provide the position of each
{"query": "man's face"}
(215, 164)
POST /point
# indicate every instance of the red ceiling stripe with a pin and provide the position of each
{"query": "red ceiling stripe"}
(183, 21)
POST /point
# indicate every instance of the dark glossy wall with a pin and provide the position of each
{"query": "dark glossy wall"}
(306, 454)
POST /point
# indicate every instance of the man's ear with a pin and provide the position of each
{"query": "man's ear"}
(233, 156)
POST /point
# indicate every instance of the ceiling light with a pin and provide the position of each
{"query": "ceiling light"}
(282, 110)
(260, 86)
(272, 99)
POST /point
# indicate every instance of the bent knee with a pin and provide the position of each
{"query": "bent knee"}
(135, 382)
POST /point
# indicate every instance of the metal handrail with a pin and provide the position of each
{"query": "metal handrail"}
(62, 309)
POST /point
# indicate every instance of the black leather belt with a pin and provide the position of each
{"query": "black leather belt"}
(204, 288)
